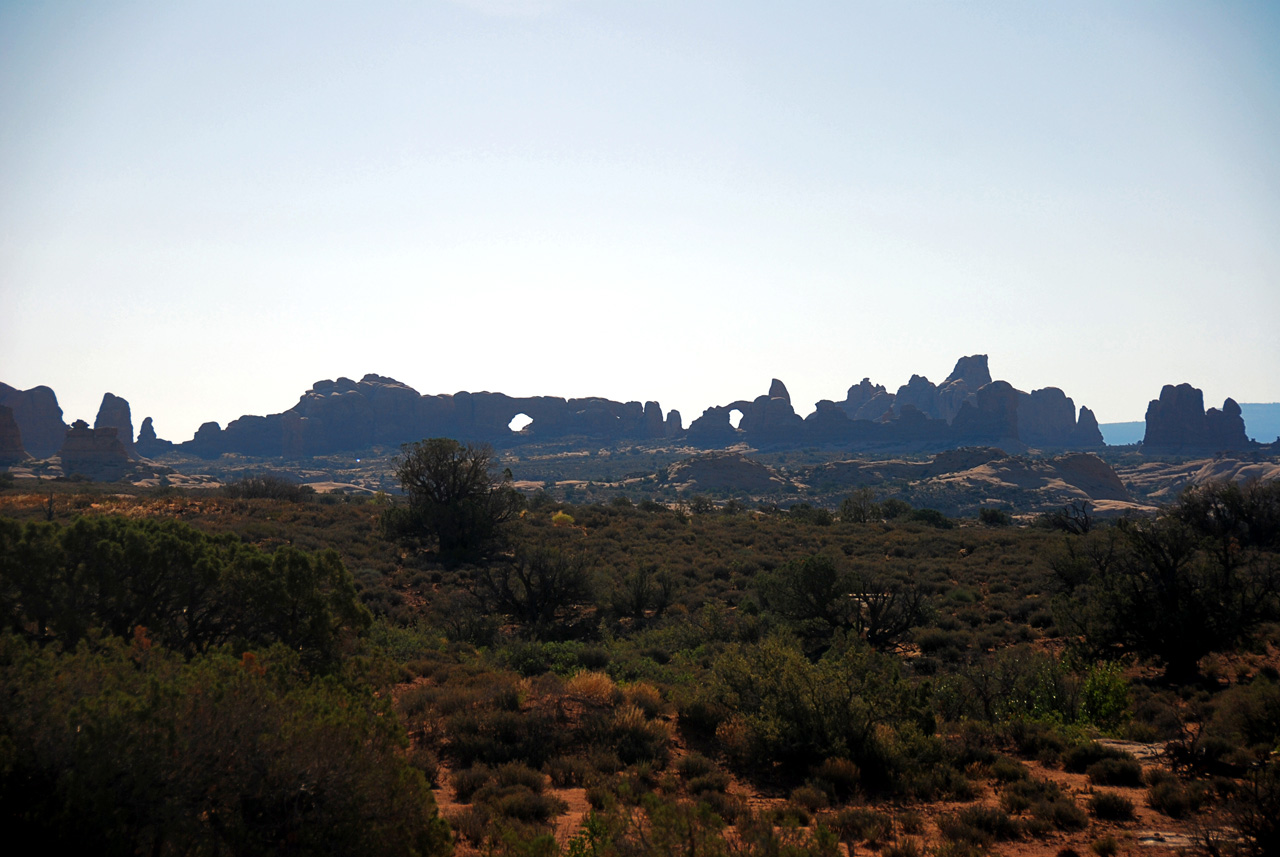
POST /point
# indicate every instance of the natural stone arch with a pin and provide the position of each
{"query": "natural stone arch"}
(520, 422)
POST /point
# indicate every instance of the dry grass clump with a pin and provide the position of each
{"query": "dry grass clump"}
(593, 688)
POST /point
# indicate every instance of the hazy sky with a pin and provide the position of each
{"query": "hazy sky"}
(206, 207)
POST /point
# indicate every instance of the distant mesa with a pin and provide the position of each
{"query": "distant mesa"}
(1178, 423)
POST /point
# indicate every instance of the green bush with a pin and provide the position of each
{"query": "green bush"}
(850, 704)
(124, 749)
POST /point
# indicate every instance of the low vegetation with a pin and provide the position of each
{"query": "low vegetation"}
(251, 671)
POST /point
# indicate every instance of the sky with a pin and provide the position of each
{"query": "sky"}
(205, 207)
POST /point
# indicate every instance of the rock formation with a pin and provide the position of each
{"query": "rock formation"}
(38, 416)
(1047, 419)
(861, 396)
(114, 413)
(345, 415)
(1177, 422)
(148, 444)
(11, 449)
(1087, 434)
(335, 416)
(94, 452)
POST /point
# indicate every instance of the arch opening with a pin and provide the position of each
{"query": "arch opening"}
(735, 417)
(519, 423)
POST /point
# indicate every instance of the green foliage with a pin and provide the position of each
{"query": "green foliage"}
(820, 600)
(268, 487)
(115, 749)
(538, 587)
(1104, 696)
(932, 518)
(851, 704)
(860, 507)
(805, 513)
(992, 517)
(452, 498)
(1163, 589)
(190, 592)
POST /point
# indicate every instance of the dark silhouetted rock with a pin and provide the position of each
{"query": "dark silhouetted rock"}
(1046, 418)
(859, 395)
(675, 424)
(39, 418)
(972, 371)
(207, 442)
(878, 408)
(713, 428)
(769, 419)
(11, 449)
(1177, 422)
(1087, 434)
(653, 423)
(148, 443)
(992, 418)
(114, 413)
(1226, 427)
(919, 393)
(94, 452)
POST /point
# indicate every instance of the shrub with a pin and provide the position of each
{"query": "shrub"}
(994, 517)
(1115, 772)
(1110, 806)
(860, 823)
(1105, 846)
(1175, 800)
(837, 777)
(1078, 758)
(694, 765)
(932, 518)
(809, 797)
(468, 781)
(715, 781)
(593, 688)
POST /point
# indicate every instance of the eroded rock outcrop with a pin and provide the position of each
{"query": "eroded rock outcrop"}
(11, 449)
(38, 416)
(94, 452)
(1177, 422)
(114, 413)
(340, 415)
(1047, 419)
(148, 444)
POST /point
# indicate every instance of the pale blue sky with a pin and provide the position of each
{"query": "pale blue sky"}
(206, 207)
